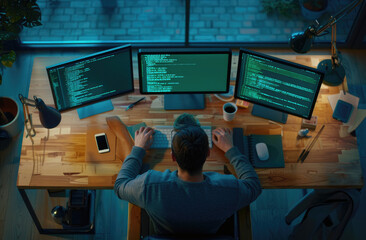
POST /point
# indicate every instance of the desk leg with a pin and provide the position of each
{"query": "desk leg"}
(31, 210)
(42, 230)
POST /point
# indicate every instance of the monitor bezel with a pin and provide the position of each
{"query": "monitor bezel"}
(279, 60)
(123, 48)
(185, 51)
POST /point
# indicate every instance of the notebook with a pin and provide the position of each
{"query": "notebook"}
(246, 145)
(343, 111)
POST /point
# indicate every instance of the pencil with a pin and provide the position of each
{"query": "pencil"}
(308, 147)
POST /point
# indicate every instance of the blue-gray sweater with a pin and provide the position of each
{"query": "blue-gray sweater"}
(176, 206)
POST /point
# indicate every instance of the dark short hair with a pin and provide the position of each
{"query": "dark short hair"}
(190, 148)
(185, 120)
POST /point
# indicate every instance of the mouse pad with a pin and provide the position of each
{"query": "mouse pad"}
(275, 150)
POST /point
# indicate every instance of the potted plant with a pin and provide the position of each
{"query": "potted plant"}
(10, 118)
(313, 9)
(285, 8)
(14, 15)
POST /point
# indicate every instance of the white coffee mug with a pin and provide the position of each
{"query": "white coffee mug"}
(229, 109)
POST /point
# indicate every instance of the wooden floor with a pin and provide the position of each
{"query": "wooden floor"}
(268, 210)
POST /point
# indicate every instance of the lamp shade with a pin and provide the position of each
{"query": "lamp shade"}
(301, 42)
(49, 116)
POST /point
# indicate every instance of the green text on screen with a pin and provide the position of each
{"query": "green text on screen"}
(184, 72)
(277, 85)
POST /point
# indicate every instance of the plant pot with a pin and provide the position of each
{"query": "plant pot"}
(12, 111)
(313, 11)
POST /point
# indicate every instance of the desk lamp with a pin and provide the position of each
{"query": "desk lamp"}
(301, 42)
(48, 116)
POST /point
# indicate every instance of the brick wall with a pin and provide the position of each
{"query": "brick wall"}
(164, 20)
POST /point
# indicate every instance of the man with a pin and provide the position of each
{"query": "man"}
(188, 201)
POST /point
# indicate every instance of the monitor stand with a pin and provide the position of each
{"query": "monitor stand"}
(269, 113)
(94, 109)
(184, 101)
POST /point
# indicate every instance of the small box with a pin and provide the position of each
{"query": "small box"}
(242, 103)
(310, 124)
(343, 111)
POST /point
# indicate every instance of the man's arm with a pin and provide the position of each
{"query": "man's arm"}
(129, 184)
(250, 186)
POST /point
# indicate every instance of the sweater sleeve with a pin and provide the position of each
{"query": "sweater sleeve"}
(129, 184)
(249, 185)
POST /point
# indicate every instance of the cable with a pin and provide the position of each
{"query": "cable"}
(277, 125)
(224, 99)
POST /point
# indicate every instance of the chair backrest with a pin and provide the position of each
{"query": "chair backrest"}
(190, 238)
(229, 230)
(236, 227)
(326, 214)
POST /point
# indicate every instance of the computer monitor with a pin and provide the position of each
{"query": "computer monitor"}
(184, 75)
(92, 80)
(277, 84)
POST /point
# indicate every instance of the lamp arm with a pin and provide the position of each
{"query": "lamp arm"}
(27, 101)
(333, 19)
(28, 123)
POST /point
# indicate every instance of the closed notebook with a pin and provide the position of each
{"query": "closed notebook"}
(274, 145)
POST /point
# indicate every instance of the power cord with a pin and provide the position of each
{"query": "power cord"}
(224, 99)
(230, 93)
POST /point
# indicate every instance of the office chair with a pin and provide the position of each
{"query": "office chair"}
(237, 227)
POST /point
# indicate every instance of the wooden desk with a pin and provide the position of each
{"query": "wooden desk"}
(59, 161)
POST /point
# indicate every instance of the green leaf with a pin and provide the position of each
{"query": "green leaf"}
(8, 59)
(286, 8)
(32, 16)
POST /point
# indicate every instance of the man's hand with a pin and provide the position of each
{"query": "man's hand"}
(144, 138)
(223, 138)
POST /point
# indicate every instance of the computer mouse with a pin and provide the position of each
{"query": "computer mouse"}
(262, 151)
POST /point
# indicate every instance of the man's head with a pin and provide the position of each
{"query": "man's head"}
(185, 120)
(190, 148)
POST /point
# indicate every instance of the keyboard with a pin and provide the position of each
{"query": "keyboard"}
(164, 134)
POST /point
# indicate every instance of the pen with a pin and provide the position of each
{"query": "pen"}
(308, 148)
(133, 104)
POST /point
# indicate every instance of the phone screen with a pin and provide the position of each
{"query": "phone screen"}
(102, 142)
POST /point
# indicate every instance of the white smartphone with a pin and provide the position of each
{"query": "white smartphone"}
(102, 142)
